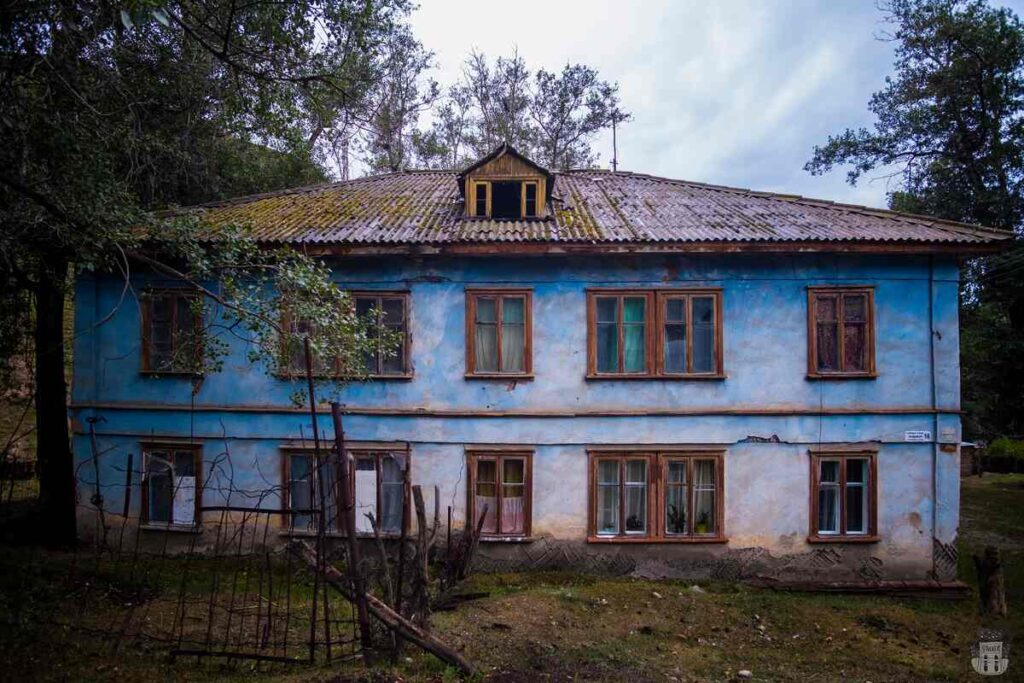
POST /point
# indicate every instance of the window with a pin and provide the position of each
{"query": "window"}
(303, 479)
(171, 493)
(506, 199)
(666, 496)
(379, 488)
(841, 335)
(171, 327)
(655, 333)
(501, 482)
(498, 333)
(377, 485)
(390, 312)
(843, 496)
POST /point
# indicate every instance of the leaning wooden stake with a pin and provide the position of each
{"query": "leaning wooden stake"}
(991, 586)
(387, 616)
(348, 518)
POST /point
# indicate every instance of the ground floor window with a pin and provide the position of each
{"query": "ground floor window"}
(500, 485)
(843, 495)
(377, 485)
(171, 492)
(661, 495)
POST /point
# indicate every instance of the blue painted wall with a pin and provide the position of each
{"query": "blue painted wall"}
(765, 335)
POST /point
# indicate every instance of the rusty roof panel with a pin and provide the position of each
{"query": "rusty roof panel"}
(424, 207)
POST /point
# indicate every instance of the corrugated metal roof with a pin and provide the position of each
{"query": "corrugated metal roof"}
(601, 207)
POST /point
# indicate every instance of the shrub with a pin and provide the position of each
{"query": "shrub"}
(1005, 455)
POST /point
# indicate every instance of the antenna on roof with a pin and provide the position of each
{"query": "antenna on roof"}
(618, 116)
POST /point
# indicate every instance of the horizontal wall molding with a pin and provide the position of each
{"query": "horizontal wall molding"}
(521, 413)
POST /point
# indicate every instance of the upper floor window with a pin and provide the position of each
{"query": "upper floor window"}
(389, 311)
(841, 334)
(843, 495)
(505, 199)
(499, 331)
(171, 492)
(171, 331)
(654, 333)
(386, 311)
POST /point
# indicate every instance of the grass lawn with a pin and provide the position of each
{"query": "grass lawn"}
(561, 626)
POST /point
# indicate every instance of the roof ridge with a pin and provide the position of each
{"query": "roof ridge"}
(811, 201)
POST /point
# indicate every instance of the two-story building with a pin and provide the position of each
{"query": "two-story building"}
(631, 373)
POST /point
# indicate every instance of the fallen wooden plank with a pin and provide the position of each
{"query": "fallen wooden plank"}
(923, 588)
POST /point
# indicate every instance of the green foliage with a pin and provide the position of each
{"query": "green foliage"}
(1004, 455)
(950, 121)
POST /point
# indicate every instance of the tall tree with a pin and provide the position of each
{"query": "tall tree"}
(110, 109)
(950, 120)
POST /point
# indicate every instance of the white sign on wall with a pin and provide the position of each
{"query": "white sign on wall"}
(917, 435)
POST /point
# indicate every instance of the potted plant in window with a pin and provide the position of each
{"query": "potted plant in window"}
(634, 523)
(676, 520)
(703, 523)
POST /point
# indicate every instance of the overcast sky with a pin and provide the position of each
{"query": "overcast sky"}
(729, 92)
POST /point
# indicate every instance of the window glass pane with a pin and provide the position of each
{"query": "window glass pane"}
(704, 521)
(634, 341)
(513, 500)
(513, 335)
(856, 509)
(393, 310)
(607, 347)
(486, 494)
(365, 469)
(675, 347)
(827, 346)
(825, 307)
(608, 509)
(481, 200)
(829, 471)
(608, 471)
(531, 198)
(329, 474)
(854, 347)
(607, 309)
(703, 334)
(184, 345)
(828, 509)
(394, 363)
(161, 487)
(486, 336)
(299, 490)
(675, 310)
(392, 496)
(855, 308)
(856, 471)
(636, 496)
(675, 498)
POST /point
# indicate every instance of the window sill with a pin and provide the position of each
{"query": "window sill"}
(657, 378)
(652, 540)
(841, 375)
(843, 539)
(501, 376)
(290, 376)
(173, 528)
(508, 539)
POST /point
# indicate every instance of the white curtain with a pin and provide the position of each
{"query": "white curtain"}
(491, 518)
(704, 497)
(513, 516)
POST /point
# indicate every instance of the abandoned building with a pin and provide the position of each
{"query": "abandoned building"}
(632, 373)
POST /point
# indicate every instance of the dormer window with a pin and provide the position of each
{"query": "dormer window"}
(505, 186)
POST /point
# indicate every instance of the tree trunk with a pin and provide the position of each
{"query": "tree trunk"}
(53, 446)
(991, 586)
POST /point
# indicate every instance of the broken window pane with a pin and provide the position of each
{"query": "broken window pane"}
(506, 200)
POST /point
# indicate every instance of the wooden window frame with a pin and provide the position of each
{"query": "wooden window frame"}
(522, 199)
(354, 452)
(657, 461)
(870, 372)
(499, 293)
(286, 491)
(842, 455)
(406, 298)
(473, 457)
(655, 332)
(474, 183)
(146, 447)
(286, 371)
(146, 306)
